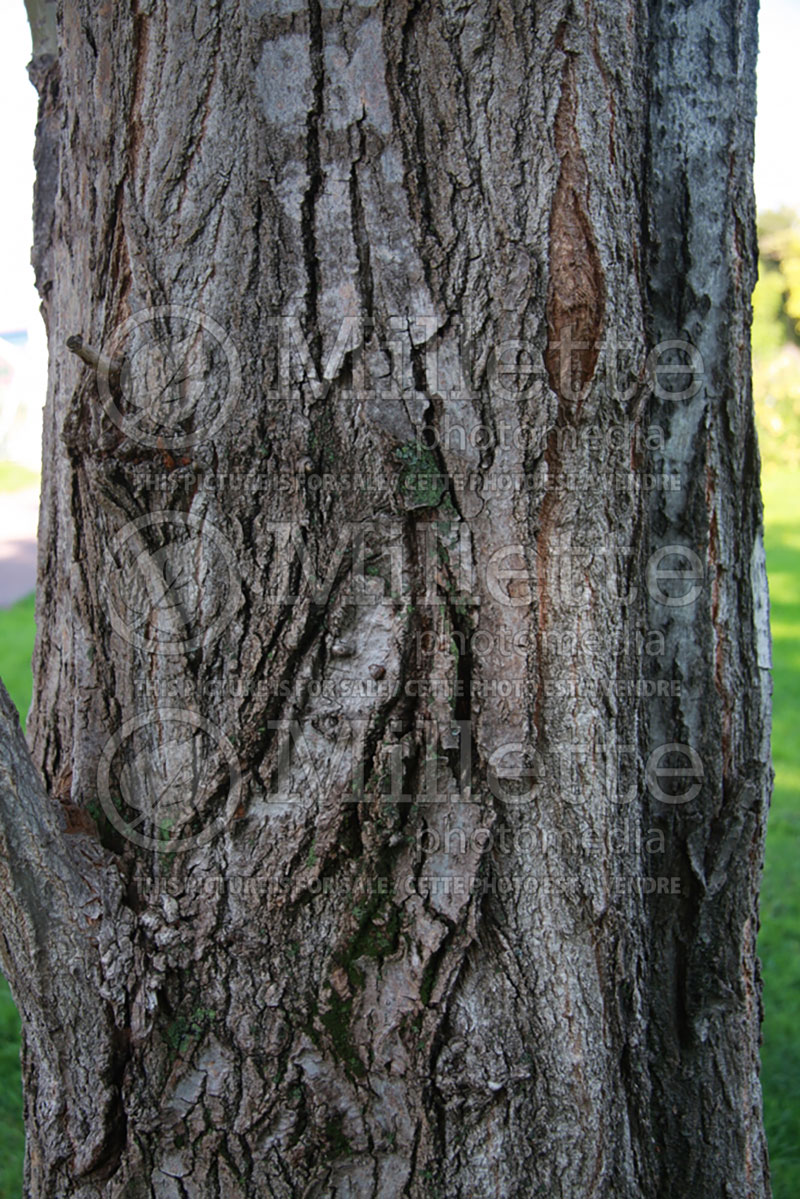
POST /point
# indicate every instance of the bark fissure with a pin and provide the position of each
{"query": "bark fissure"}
(314, 180)
(576, 290)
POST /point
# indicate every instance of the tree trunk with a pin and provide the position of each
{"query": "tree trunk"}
(401, 685)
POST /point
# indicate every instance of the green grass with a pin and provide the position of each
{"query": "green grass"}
(16, 649)
(12, 1135)
(16, 646)
(779, 940)
(14, 477)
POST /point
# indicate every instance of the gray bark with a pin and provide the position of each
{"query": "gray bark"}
(350, 726)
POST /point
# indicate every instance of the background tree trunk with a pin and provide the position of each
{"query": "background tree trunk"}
(356, 658)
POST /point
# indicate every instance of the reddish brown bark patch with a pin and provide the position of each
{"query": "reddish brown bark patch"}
(576, 291)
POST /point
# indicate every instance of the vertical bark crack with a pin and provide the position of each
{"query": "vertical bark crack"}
(314, 187)
(360, 236)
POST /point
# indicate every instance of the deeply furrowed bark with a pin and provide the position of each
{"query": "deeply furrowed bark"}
(316, 980)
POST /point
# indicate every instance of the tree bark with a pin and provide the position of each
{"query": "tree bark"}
(401, 677)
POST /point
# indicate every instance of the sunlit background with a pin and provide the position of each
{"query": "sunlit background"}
(776, 377)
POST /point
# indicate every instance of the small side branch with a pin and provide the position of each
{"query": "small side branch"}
(110, 367)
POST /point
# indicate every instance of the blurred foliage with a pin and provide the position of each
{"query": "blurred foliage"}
(17, 630)
(779, 938)
(776, 338)
(14, 477)
(12, 1132)
(776, 391)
